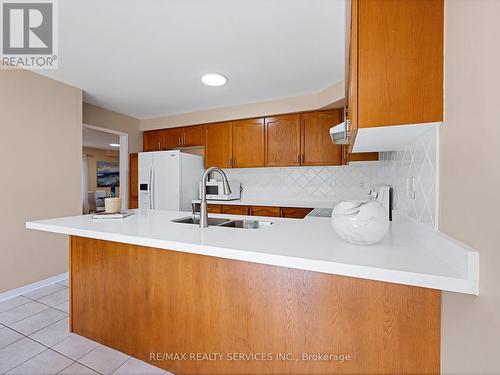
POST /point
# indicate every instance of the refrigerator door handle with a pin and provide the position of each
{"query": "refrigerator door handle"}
(150, 195)
(153, 195)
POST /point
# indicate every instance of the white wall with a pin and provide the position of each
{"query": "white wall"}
(41, 168)
(470, 180)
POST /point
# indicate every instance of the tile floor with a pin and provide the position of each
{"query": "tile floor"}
(34, 340)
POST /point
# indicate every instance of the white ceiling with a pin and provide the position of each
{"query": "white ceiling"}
(145, 58)
(97, 139)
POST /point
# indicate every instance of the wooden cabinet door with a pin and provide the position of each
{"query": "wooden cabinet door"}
(248, 143)
(295, 212)
(400, 62)
(172, 138)
(152, 140)
(265, 211)
(352, 75)
(214, 208)
(235, 209)
(194, 136)
(133, 181)
(282, 140)
(219, 145)
(317, 146)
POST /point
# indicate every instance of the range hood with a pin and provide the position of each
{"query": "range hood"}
(340, 133)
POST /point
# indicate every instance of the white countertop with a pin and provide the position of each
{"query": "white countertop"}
(411, 253)
(273, 203)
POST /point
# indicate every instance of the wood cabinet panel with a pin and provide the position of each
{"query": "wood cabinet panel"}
(133, 187)
(219, 145)
(317, 146)
(152, 140)
(248, 143)
(352, 75)
(282, 140)
(214, 208)
(172, 138)
(265, 211)
(235, 209)
(295, 212)
(146, 300)
(400, 76)
(193, 136)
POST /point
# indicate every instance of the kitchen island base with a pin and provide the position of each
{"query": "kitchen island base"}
(196, 314)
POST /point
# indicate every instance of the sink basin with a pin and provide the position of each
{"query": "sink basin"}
(212, 221)
(246, 224)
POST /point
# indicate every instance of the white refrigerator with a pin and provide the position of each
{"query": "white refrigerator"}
(168, 180)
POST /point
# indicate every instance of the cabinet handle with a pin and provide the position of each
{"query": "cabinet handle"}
(159, 146)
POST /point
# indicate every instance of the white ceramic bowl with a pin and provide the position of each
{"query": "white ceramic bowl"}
(361, 223)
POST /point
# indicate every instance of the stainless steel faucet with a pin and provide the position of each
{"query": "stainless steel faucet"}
(203, 204)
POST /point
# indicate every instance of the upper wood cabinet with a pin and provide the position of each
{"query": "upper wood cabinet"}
(282, 136)
(317, 146)
(193, 136)
(172, 138)
(219, 145)
(152, 140)
(397, 51)
(248, 143)
(157, 140)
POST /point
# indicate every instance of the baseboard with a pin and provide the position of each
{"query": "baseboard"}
(28, 288)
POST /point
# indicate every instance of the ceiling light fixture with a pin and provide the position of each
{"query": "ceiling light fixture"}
(214, 79)
(114, 145)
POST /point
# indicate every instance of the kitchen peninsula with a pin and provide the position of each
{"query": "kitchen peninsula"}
(156, 286)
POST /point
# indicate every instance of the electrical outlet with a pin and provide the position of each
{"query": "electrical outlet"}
(410, 188)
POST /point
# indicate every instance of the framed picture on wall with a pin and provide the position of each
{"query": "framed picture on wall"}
(108, 174)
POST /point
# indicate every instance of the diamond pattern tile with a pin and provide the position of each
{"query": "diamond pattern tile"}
(333, 184)
(417, 160)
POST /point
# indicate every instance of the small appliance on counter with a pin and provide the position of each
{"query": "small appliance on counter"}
(364, 222)
(215, 191)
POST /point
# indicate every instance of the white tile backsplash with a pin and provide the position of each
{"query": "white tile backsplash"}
(336, 183)
(321, 184)
(417, 161)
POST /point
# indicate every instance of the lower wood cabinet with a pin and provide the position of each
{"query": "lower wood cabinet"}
(269, 211)
(214, 208)
(235, 209)
(265, 211)
(295, 212)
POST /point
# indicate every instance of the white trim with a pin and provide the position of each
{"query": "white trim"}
(105, 130)
(124, 171)
(33, 286)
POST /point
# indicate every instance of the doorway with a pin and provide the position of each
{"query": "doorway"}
(105, 167)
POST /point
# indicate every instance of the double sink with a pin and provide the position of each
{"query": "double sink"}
(223, 222)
